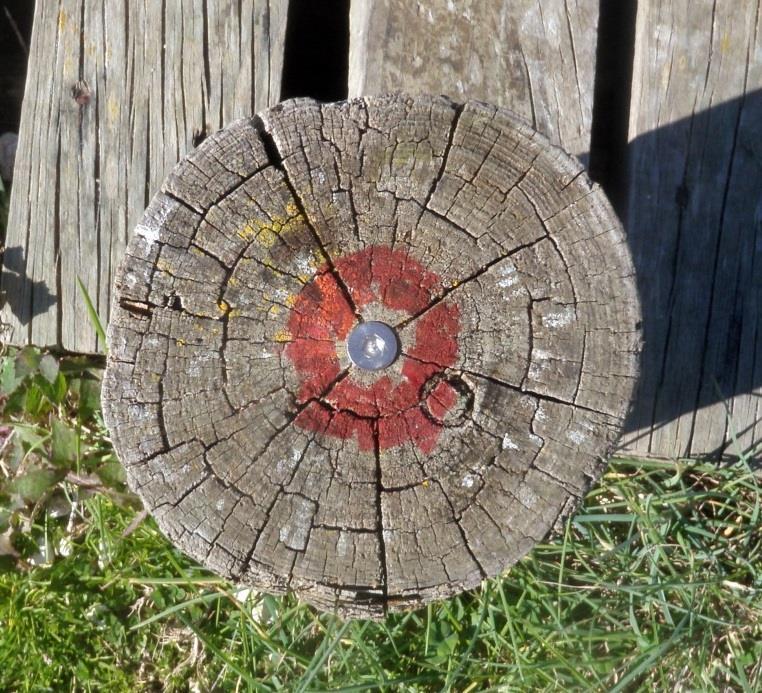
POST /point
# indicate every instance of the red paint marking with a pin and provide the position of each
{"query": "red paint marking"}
(346, 425)
(411, 424)
(441, 399)
(436, 335)
(319, 360)
(321, 317)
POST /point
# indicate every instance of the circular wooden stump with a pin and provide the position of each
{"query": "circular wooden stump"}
(269, 450)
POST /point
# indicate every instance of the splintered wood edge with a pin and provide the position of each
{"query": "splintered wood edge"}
(264, 454)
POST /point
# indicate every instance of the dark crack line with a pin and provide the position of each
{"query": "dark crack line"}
(143, 462)
(276, 159)
(538, 395)
(445, 155)
(228, 191)
(475, 275)
(581, 367)
(461, 531)
(160, 406)
(246, 562)
(338, 528)
(224, 523)
(292, 415)
(567, 267)
(301, 407)
(278, 430)
(175, 504)
(380, 518)
(515, 388)
(530, 340)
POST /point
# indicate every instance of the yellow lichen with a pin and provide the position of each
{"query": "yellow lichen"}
(282, 336)
(112, 107)
(224, 307)
(267, 232)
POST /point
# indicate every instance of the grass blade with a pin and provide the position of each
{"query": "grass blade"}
(95, 321)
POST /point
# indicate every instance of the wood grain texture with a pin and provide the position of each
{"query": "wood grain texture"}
(265, 454)
(158, 75)
(694, 222)
(536, 58)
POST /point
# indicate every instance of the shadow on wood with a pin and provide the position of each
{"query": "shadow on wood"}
(694, 224)
(15, 284)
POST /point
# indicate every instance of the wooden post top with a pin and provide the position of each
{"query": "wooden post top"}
(241, 392)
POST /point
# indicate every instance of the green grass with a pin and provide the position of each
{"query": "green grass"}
(655, 584)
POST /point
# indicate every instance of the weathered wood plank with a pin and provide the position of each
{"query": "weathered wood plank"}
(158, 76)
(536, 58)
(694, 222)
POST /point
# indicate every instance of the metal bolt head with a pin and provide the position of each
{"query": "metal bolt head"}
(372, 346)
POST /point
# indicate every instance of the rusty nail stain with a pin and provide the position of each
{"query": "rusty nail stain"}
(81, 93)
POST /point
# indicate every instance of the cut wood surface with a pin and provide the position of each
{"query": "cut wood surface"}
(117, 93)
(262, 450)
(536, 58)
(694, 223)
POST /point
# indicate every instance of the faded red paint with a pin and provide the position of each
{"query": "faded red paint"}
(394, 406)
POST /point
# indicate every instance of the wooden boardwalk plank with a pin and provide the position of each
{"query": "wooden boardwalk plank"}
(158, 76)
(694, 221)
(86, 170)
(535, 58)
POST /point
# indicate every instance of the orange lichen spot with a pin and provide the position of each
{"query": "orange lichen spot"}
(223, 306)
(425, 483)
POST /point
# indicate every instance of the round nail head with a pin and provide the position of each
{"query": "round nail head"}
(372, 346)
